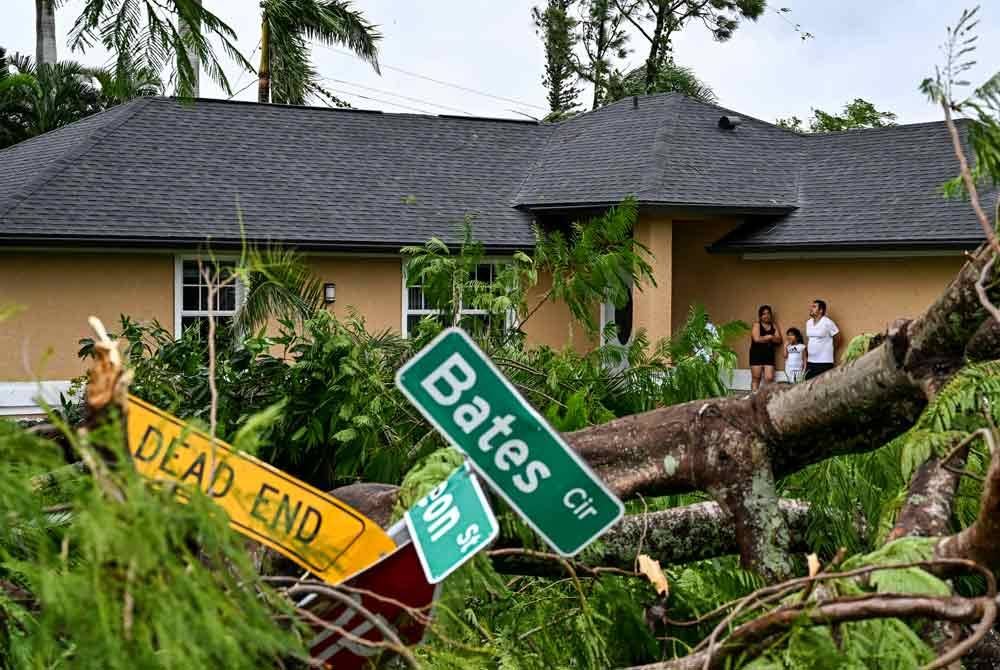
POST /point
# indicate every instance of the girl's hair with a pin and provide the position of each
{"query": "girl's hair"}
(796, 333)
(762, 309)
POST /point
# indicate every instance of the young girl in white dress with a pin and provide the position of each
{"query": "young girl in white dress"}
(795, 356)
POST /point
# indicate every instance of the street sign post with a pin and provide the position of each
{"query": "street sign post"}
(314, 529)
(457, 388)
(450, 524)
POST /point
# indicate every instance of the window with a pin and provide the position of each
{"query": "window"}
(191, 294)
(416, 305)
(621, 317)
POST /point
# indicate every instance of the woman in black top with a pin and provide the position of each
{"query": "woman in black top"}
(765, 336)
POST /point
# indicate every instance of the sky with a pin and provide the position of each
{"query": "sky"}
(475, 49)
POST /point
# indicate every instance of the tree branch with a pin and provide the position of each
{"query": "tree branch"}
(734, 448)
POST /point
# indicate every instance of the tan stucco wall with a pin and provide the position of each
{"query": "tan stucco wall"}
(59, 291)
(862, 294)
(552, 325)
(372, 286)
(653, 304)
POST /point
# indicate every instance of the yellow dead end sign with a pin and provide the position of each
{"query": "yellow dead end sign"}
(314, 529)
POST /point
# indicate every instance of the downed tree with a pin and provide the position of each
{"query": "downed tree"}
(735, 448)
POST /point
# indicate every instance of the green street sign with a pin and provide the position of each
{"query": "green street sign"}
(457, 388)
(450, 524)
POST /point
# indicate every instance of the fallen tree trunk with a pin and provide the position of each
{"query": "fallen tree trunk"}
(735, 448)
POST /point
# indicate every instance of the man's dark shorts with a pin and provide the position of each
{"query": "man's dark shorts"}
(816, 369)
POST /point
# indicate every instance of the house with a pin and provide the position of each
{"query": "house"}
(106, 215)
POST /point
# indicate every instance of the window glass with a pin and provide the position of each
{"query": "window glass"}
(474, 320)
(194, 307)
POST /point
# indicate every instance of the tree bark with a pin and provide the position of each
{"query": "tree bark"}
(45, 32)
(735, 448)
(672, 536)
(264, 71)
(191, 52)
(980, 542)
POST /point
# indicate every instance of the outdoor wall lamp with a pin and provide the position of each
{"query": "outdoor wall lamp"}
(329, 293)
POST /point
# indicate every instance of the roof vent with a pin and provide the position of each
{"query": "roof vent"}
(729, 122)
(635, 102)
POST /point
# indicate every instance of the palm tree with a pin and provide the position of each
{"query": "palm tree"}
(124, 82)
(286, 74)
(671, 78)
(45, 32)
(279, 285)
(35, 99)
(156, 34)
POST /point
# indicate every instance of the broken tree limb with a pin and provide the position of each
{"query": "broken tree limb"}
(677, 535)
(672, 536)
(955, 609)
(980, 542)
(734, 448)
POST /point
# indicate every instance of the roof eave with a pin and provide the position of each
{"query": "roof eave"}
(225, 244)
(954, 244)
(662, 204)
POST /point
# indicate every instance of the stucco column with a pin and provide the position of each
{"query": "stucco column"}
(651, 304)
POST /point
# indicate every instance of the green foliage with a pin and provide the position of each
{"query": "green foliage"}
(853, 499)
(669, 78)
(596, 261)
(452, 283)
(859, 113)
(857, 347)
(594, 387)
(878, 643)
(557, 28)
(154, 36)
(37, 99)
(538, 624)
(659, 21)
(882, 644)
(423, 477)
(144, 583)
(293, 25)
(279, 285)
(982, 106)
(603, 38)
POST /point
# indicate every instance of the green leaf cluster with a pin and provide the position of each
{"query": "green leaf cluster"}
(146, 582)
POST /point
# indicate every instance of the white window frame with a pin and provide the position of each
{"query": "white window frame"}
(179, 311)
(608, 316)
(510, 321)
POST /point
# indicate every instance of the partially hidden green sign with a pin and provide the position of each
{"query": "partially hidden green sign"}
(450, 524)
(457, 388)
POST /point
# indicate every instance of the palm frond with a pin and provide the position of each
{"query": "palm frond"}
(279, 286)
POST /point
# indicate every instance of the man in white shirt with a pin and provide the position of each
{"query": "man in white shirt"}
(821, 334)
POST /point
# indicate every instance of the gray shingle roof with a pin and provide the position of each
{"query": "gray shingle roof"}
(158, 172)
(668, 149)
(876, 188)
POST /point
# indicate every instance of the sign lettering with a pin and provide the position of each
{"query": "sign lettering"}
(450, 524)
(457, 388)
(314, 529)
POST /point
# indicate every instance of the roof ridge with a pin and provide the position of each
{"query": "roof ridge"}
(348, 110)
(552, 129)
(895, 126)
(69, 157)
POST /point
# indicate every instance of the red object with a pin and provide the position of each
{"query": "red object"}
(397, 577)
